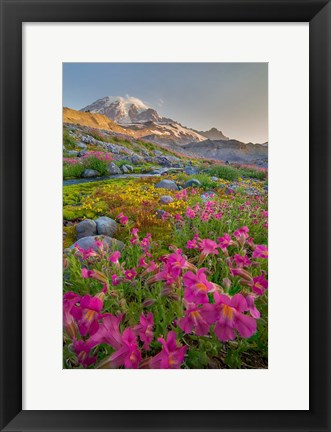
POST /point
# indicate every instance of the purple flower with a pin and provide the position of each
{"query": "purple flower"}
(87, 314)
(171, 356)
(194, 320)
(145, 329)
(228, 315)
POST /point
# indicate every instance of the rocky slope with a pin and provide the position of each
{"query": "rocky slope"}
(214, 134)
(229, 150)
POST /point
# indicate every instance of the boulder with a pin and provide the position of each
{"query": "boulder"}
(106, 226)
(192, 183)
(189, 169)
(129, 167)
(86, 228)
(90, 173)
(124, 169)
(214, 179)
(89, 242)
(166, 199)
(113, 169)
(167, 184)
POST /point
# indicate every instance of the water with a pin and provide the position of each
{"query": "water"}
(110, 177)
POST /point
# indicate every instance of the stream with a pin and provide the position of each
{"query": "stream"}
(110, 177)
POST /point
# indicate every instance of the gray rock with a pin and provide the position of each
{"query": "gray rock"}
(113, 169)
(71, 152)
(189, 169)
(214, 178)
(167, 184)
(160, 213)
(106, 226)
(192, 183)
(86, 228)
(90, 173)
(89, 242)
(157, 153)
(166, 199)
(124, 169)
(129, 167)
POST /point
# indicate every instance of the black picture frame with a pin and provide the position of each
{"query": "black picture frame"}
(13, 14)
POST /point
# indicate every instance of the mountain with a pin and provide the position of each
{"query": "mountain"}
(214, 134)
(229, 150)
(124, 110)
(142, 121)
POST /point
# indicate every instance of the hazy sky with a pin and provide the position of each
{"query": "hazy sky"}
(233, 97)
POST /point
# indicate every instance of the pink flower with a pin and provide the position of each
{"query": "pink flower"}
(127, 352)
(197, 286)
(193, 320)
(176, 262)
(190, 213)
(87, 273)
(123, 219)
(87, 314)
(171, 356)
(86, 253)
(134, 239)
(82, 349)
(208, 247)
(145, 329)
(225, 241)
(241, 234)
(69, 300)
(115, 280)
(261, 251)
(178, 217)
(260, 284)
(192, 244)
(241, 261)
(114, 257)
(205, 217)
(130, 274)
(228, 315)
(252, 308)
(218, 216)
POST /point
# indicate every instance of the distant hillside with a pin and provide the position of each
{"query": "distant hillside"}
(94, 120)
(214, 134)
(229, 150)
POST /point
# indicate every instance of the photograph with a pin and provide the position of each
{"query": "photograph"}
(165, 215)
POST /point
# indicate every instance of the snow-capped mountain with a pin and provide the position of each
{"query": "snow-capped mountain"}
(123, 110)
(133, 114)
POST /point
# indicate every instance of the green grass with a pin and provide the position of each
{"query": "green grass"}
(68, 141)
(232, 173)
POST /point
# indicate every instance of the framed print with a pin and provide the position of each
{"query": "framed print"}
(165, 215)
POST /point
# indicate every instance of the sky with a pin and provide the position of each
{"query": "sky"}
(233, 97)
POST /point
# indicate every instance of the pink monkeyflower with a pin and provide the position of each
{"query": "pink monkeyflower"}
(259, 285)
(146, 242)
(99, 244)
(252, 308)
(86, 253)
(176, 263)
(151, 267)
(193, 191)
(145, 329)
(208, 247)
(241, 234)
(115, 280)
(205, 217)
(87, 314)
(163, 275)
(114, 257)
(69, 300)
(130, 274)
(82, 349)
(123, 219)
(228, 314)
(225, 241)
(261, 251)
(264, 214)
(218, 216)
(142, 262)
(178, 217)
(244, 274)
(135, 238)
(197, 286)
(192, 244)
(190, 213)
(87, 273)
(171, 356)
(193, 320)
(241, 261)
